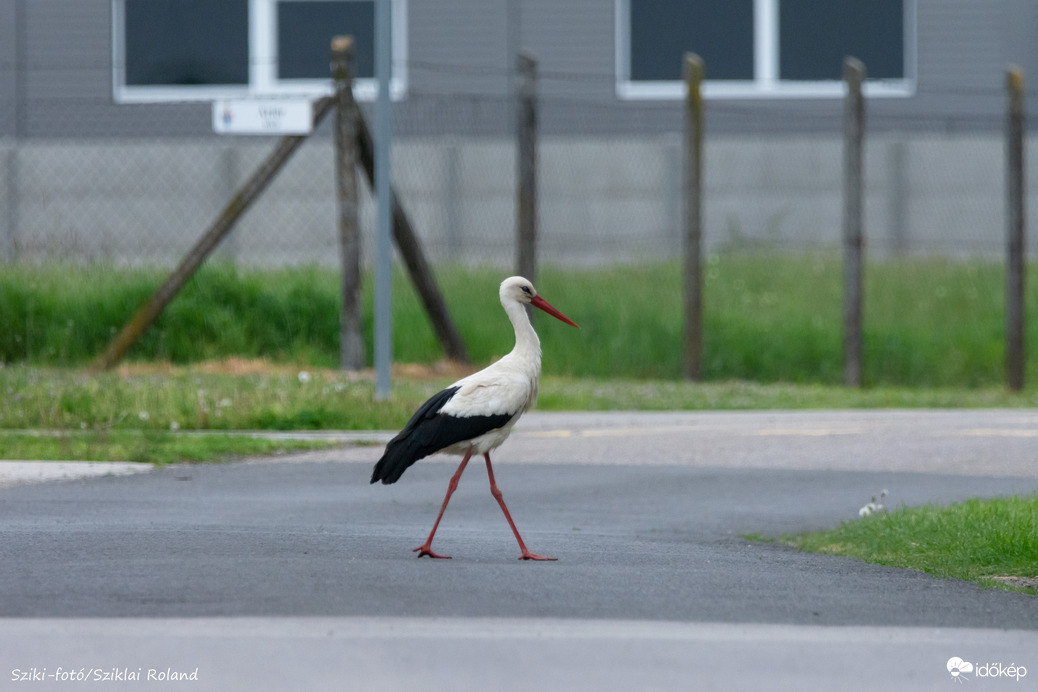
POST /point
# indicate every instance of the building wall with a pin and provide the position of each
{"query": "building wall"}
(461, 48)
(8, 79)
(83, 178)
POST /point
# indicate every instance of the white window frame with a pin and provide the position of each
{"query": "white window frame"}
(263, 61)
(766, 82)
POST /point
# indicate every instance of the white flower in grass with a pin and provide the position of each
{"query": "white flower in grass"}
(304, 376)
(874, 507)
(144, 415)
(174, 426)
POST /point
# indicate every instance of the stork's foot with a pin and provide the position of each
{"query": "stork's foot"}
(427, 550)
(527, 555)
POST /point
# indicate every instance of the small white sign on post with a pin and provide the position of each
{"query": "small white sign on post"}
(263, 117)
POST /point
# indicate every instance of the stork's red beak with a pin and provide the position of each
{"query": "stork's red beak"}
(541, 303)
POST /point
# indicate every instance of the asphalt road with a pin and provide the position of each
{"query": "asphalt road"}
(298, 574)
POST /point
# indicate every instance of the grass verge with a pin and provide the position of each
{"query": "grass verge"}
(84, 412)
(150, 446)
(992, 542)
(248, 395)
(768, 317)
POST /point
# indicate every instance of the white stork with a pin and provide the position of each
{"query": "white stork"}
(475, 414)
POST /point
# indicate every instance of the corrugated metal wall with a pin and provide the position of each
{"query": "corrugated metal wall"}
(83, 177)
(8, 74)
(465, 48)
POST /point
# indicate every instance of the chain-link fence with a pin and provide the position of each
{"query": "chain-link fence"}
(605, 195)
(610, 189)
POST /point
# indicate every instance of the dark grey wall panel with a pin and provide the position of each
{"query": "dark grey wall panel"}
(461, 55)
(8, 59)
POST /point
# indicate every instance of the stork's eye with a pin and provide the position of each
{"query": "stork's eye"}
(527, 291)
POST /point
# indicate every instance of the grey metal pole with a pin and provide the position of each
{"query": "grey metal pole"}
(384, 209)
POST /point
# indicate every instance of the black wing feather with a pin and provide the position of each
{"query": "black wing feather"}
(428, 432)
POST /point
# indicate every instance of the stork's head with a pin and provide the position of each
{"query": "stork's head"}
(519, 290)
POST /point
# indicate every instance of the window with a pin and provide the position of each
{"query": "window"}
(182, 50)
(871, 31)
(661, 32)
(187, 42)
(760, 48)
(303, 37)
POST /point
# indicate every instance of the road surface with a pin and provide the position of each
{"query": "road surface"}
(298, 574)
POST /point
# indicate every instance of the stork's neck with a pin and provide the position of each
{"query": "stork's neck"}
(527, 345)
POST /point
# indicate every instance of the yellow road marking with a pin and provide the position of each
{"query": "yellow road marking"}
(652, 430)
(997, 432)
(809, 432)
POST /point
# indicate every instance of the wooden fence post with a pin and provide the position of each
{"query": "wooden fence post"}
(526, 155)
(692, 218)
(1016, 217)
(853, 241)
(239, 203)
(351, 340)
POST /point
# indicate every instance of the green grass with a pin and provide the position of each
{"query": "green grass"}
(280, 398)
(974, 540)
(768, 318)
(150, 402)
(186, 399)
(141, 445)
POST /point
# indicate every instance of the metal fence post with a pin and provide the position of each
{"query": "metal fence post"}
(693, 217)
(526, 144)
(853, 241)
(351, 341)
(1016, 217)
(9, 233)
(383, 340)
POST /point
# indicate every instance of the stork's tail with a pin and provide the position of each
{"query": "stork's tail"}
(398, 457)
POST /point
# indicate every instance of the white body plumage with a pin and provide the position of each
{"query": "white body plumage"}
(476, 413)
(507, 386)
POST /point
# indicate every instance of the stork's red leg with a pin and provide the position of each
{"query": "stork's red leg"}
(426, 548)
(496, 492)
